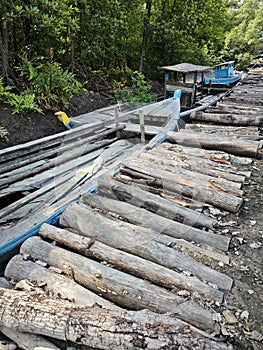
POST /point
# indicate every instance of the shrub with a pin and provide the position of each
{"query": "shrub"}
(52, 86)
(136, 89)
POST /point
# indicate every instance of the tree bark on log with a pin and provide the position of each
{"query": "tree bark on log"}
(119, 287)
(126, 262)
(27, 341)
(202, 165)
(228, 119)
(99, 328)
(144, 218)
(153, 203)
(20, 269)
(136, 241)
(233, 146)
(177, 167)
(183, 185)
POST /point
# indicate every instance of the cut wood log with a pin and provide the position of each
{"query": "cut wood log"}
(135, 265)
(237, 147)
(27, 341)
(134, 240)
(183, 185)
(228, 119)
(99, 328)
(123, 289)
(144, 218)
(19, 269)
(153, 203)
(179, 167)
(202, 165)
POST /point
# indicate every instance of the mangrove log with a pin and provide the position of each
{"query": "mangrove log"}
(136, 240)
(153, 203)
(99, 328)
(228, 144)
(205, 193)
(144, 218)
(228, 119)
(27, 341)
(121, 288)
(135, 265)
(20, 269)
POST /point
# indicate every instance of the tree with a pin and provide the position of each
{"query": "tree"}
(245, 39)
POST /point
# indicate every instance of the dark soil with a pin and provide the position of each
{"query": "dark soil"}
(31, 126)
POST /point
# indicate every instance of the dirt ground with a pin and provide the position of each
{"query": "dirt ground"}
(243, 304)
(32, 126)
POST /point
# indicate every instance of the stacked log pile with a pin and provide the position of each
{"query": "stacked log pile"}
(139, 264)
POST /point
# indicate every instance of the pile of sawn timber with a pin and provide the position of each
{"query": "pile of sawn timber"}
(142, 243)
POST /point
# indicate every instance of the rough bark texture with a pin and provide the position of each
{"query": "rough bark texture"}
(190, 187)
(228, 118)
(99, 328)
(123, 289)
(19, 269)
(153, 203)
(140, 242)
(130, 263)
(27, 341)
(238, 147)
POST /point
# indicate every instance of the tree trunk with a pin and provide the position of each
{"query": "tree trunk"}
(229, 119)
(202, 165)
(153, 203)
(123, 289)
(226, 144)
(99, 328)
(182, 168)
(19, 269)
(27, 341)
(146, 33)
(134, 240)
(185, 185)
(141, 217)
(129, 263)
(4, 47)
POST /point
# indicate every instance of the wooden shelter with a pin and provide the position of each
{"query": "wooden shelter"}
(186, 77)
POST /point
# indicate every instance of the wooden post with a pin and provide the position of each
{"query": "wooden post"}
(142, 127)
(117, 122)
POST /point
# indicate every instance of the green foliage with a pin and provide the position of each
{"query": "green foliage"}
(23, 103)
(135, 90)
(52, 86)
(3, 133)
(244, 40)
(4, 91)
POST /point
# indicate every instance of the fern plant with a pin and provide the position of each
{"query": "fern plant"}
(23, 103)
(52, 86)
(3, 133)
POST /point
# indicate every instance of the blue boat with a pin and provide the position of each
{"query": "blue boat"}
(224, 74)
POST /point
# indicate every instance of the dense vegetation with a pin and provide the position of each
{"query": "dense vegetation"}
(51, 50)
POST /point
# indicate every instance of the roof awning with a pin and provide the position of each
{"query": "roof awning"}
(185, 68)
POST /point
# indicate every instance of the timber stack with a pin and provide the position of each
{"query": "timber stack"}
(139, 262)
